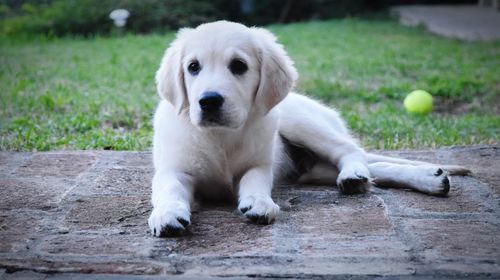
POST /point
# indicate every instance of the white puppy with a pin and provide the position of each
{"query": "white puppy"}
(228, 126)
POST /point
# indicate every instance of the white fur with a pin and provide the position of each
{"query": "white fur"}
(244, 154)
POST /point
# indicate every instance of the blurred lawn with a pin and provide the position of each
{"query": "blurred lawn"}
(99, 93)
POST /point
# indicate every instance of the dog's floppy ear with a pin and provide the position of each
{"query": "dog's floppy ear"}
(170, 77)
(277, 73)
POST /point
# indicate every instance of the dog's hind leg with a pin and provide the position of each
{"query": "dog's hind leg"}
(451, 169)
(427, 179)
(309, 124)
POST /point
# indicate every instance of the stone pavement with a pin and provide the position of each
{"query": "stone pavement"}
(466, 22)
(83, 215)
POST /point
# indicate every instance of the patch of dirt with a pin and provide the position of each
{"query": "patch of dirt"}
(446, 105)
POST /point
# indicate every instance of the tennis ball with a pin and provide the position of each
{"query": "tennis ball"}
(419, 102)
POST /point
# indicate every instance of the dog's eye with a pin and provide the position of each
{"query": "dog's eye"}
(238, 67)
(194, 68)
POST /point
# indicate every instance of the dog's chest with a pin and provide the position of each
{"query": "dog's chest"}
(224, 162)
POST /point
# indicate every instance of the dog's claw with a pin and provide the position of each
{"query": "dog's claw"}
(261, 220)
(362, 178)
(183, 222)
(446, 181)
(245, 209)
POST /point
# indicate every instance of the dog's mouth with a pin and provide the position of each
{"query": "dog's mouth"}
(223, 119)
(213, 120)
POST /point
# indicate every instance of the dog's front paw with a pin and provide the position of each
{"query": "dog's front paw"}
(259, 209)
(354, 180)
(169, 220)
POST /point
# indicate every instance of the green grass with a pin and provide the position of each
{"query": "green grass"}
(99, 93)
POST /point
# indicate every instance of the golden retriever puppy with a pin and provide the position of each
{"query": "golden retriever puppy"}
(229, 125)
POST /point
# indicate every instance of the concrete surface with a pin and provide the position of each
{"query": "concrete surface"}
(83, 215)
(466, 22)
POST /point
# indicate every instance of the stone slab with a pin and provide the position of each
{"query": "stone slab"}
(66, 165)
(462, 198)
(10, 161)
(25, 275)
(95, 244)
(362, 230)
(307, 268)
(458, 238)
(134, 181)
(89, 265)
(118, 213)
(135, 159)
(33, 193)
(17, 228)
(90, 219)
(485, 164)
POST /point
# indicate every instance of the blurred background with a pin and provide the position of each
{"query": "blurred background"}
(70, 79)
(91, 17)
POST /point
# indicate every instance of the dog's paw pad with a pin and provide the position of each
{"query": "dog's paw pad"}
(356, 185)
(258, 219)
(171, 231)
(354, 180)
(445, 186)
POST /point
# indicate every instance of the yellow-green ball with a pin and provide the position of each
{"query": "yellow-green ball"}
(418, 102)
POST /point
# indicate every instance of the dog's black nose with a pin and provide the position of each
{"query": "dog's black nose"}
(211, 101)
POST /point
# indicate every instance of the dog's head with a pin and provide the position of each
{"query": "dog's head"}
(224, 73)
